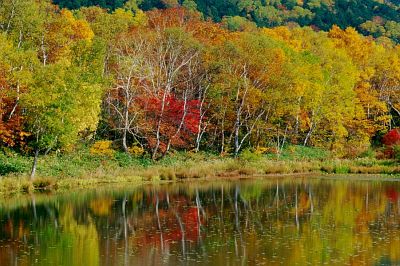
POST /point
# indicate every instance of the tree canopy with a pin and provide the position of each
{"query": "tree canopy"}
(371, 17)
(169, 79)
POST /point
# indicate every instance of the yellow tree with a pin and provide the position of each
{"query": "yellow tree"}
(367, 56)
(255, 87)
(328, 104)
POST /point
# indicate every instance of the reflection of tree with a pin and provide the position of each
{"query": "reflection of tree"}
(282, 221)
(57, 237)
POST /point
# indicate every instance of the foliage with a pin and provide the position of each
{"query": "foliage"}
(377, 18)
(392, 137)
(296, 152)
(237, 23)
(249, 155)
(73, 106)
(168, 81)
(392, 141)
(396, 152)
(10, 164)
(102, 147)
(136, 150)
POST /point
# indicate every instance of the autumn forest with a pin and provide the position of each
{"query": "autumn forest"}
(149, 83)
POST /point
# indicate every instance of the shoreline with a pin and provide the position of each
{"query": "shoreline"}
(82, 169)
(17, 186)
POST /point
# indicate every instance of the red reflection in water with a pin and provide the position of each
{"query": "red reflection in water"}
(392, 194)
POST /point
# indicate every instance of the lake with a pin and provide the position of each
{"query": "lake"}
(291, 221)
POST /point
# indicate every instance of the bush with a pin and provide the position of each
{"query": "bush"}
(136, 150)
(392, 137)
(102, 147)
(9, 165)
(249, 156)
(7, 168)
(264, 150)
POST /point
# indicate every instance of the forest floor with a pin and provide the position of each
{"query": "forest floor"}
(82, 169)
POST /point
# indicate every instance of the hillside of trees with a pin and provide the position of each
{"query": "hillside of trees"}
(168, 80)
(370, 17)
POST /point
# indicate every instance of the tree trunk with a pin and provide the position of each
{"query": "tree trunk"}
(308, 136)
(155, 150)
(124, 143)
(237, 125)
(202, 112)
(222, 137)
(34, 164)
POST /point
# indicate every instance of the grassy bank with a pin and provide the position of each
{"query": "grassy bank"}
(82, 169)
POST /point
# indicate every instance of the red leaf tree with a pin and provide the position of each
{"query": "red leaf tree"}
(178, 120)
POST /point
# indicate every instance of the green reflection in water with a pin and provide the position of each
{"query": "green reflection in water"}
(298, 221)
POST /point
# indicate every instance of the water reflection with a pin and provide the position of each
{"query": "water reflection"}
(271, 222)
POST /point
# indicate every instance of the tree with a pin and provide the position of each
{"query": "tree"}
(252, 88)
(189, 4)
(237, 23)
(332, 79)
(59, 105)
(151, 97)
(23, 21)
(321, 14)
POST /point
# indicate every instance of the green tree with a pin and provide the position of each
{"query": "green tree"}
(59, 105)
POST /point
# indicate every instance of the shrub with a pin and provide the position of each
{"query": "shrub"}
(9, 165)
(262, 150)
(392, 137)
(136, 150)
(102, 147)
(7, 168)
(248, 155)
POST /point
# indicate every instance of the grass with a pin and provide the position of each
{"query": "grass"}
(297, 153)
(82, 169)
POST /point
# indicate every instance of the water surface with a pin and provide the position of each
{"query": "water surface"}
(302, 221)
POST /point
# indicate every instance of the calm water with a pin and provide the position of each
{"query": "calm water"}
(306, 221)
